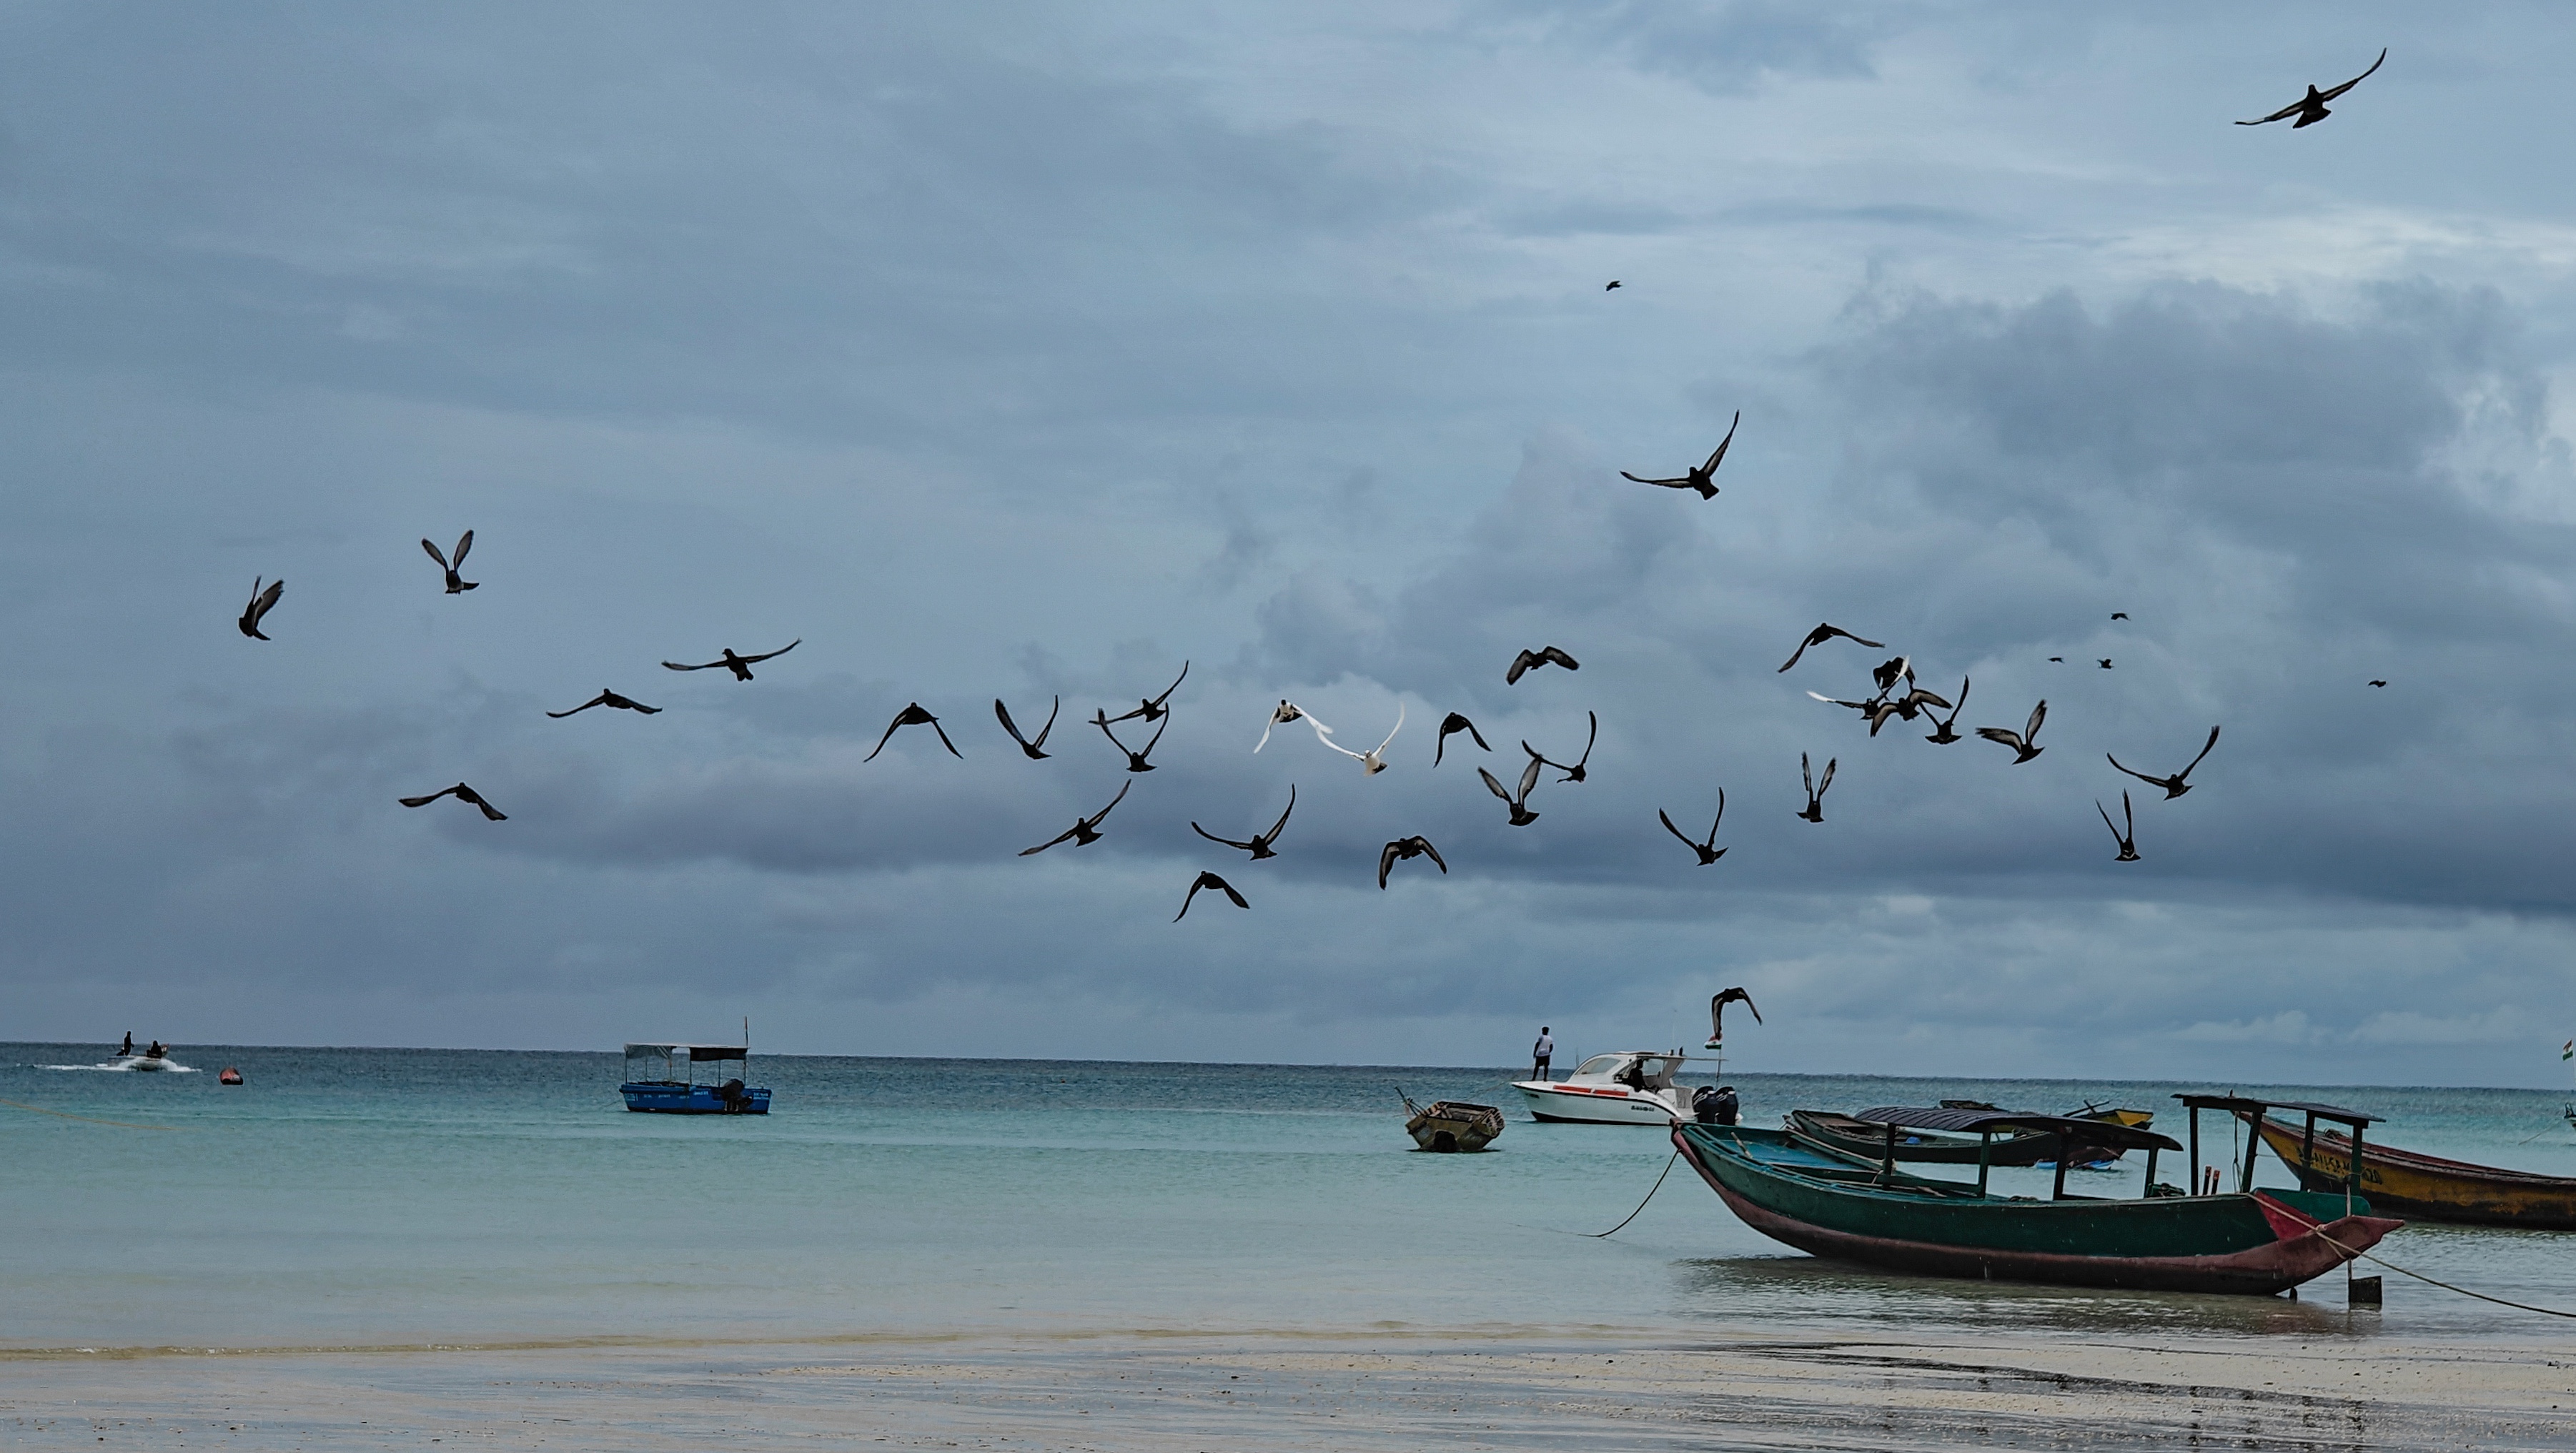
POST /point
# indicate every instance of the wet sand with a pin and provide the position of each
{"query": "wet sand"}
(1287, 1392)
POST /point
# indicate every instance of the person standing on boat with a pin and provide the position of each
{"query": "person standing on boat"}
(128, 1050)
(1540, 1053)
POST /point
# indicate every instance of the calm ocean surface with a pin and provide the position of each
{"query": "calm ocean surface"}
(354, 1198)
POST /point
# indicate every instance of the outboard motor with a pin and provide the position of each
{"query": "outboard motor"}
(1704, 1104)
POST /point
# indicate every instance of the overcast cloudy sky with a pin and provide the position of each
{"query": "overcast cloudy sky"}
(1000, 351)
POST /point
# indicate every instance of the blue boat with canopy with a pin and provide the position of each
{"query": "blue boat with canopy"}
(667, 1078)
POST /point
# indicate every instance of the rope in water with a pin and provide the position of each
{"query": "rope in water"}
(2319, 1228)
(1641, 1205)
(67, 1115)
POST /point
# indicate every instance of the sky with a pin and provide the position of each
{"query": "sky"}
(1026, 353)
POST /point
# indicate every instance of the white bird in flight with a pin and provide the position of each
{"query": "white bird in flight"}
(1290, 711)
(1374, 761)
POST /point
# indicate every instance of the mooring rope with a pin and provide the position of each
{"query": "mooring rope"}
(67, 1115)
(2319, 1228)
(1641, 1205)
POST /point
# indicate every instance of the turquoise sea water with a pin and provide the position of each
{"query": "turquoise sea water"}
(352, 1198)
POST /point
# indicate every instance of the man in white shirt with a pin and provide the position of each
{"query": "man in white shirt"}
(1540, 1053)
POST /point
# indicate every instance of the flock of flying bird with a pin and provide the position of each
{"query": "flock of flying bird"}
(1897, 697)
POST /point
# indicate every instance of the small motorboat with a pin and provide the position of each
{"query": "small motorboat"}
(1632, 1087)
(665, 1092)
(1869, 1135)
(155, 1058)
(1447, 1125)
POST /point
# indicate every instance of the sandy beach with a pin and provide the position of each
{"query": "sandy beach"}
(1286, 1391)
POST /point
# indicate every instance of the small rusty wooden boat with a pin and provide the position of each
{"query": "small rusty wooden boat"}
(2425, 1187)
(1447, 1125)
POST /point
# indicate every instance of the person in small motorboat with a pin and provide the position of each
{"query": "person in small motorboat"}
(156, 1051)
(1540, 1053)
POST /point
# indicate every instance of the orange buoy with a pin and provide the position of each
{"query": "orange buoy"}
(230, 1076)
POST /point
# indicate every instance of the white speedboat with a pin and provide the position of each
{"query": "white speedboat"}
(1634, 1087)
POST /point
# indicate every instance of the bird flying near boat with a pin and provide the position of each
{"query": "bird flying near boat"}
(2024, 742)
(1717, 1014)
(609, 698)
(1825, 631)
(1518, 803)
(1614, 285)
(1151, 708)
(1259, 847)
(739, 665)
(1030, 749)
(451, 566)
(1575, 772)
(1208, 880)
(2175, 785)
(1372, 761)
(1816, 790)
(912, 715)
(1700, 478)
(1451, 725)
(1402, 848)
(2128, 841)
(1085, 830)
(1709, 852)
(1289, 711)
(461, 793)
(261, 603)
(2311, 108)
(1528, 661)
(1135, 759)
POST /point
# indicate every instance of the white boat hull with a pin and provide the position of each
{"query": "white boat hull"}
(1597, 1104)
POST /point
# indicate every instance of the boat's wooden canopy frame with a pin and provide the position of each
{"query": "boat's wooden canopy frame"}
(2252, 1109)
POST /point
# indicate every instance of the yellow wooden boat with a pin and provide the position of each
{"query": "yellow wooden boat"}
(2422, 1187)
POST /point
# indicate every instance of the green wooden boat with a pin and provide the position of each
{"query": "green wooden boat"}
(1851, 1208)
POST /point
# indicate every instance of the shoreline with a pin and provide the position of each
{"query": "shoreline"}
(1743, 1387)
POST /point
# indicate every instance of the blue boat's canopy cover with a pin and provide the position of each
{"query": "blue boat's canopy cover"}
(2104, 1133)
(694, 1052)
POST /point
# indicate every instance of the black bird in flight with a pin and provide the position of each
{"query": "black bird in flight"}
(2175, 785)
(2106, 662)
(261, 602)
(1135, 760)
(2128, 840)
(1575, 772)
(1887, 673)
(2022, 741)
(463, 544)
(1450, 726)
(1208, 880)
(2058, 659)
(2119, 615)
(740, 666)
(1026, 746)
(1085, 830)
(2379, 683)
(1416, 846)
(461, 793)
(1815, 790)
(1822, 633)
(1151, 708)
(1700, 478)
(1259, 847)
(1709, 852)
(607, 697)
(1521, 815)
(1717, 1014)
(1528, 661)
(2311, 108)
(1943, 729)
(911, 715)
(1614, 283)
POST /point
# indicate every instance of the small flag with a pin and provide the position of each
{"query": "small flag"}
(2570, 1051)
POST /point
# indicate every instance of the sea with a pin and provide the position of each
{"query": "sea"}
(409, 1198)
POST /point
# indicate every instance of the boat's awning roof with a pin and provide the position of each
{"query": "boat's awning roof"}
(2250, 1105)
(2087, 1132)
(694, 1051)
